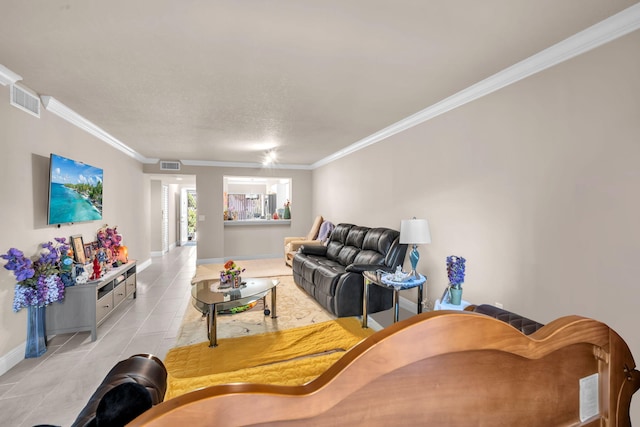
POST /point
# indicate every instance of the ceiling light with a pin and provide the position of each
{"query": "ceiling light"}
(269, 158)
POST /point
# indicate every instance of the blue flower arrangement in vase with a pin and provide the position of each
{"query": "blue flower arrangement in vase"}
(455, 272)
(38, 283)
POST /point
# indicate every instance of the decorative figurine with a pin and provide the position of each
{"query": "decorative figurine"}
(102, 258)
(97, 273)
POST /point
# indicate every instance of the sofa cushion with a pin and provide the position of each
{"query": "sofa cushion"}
(327, 276)
(337, 240)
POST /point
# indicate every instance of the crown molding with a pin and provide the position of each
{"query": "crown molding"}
(603, 32)
(56, 107)
(242, 165)
(8, 77)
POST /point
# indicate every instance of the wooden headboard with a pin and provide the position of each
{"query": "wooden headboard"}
(443, 369)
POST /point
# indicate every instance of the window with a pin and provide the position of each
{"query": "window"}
(254, 198)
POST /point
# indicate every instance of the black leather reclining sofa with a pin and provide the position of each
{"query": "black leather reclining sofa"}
(332, 274)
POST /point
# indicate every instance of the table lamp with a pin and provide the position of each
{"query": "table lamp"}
(414, 232)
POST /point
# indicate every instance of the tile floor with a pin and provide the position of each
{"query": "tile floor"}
(53, 388)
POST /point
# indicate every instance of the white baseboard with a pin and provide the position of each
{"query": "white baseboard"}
(142, 265)
(407, 304)
(371, 322)
(12, 358)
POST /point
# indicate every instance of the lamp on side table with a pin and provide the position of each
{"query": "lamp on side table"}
(414, 232)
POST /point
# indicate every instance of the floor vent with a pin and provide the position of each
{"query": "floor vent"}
(169, 166)
(25, 100)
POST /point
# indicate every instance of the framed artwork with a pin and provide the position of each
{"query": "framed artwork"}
(78, 249)
(88, 251)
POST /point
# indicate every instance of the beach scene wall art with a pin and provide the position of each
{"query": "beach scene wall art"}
(75, 191)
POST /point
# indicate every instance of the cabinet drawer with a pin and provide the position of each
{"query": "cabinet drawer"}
(104, 306)
(131, 284)
(119, 293)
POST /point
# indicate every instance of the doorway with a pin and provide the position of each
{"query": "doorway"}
(188, 217)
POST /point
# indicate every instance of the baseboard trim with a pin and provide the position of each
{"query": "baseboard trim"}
(143, 265)
(371, 323)
(407, 304)
(12, 358)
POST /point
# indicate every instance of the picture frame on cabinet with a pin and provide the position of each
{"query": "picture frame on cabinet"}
(88, 252)
(77, 245)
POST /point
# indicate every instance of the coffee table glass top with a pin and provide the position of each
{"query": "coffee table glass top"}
(209, 292)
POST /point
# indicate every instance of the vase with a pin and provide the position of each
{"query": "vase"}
(456, 296)
(237, 280)
(36, 332)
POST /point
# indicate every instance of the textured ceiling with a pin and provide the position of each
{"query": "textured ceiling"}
(226, 80)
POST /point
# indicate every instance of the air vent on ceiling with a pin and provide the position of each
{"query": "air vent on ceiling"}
(25, 100)
(169, 166)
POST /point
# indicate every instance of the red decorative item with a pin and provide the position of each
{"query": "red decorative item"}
(96, 269)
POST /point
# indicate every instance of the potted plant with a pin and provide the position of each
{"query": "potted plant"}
(455, 272)
(39, 283)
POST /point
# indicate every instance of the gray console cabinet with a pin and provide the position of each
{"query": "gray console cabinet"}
(86, 306)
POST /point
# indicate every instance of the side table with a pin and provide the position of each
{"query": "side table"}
(442, 305)
(378, 278)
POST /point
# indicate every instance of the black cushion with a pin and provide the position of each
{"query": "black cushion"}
(524, 325)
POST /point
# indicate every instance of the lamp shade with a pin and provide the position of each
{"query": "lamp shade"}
(414, 231)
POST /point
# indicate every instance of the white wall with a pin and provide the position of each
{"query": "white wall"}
(537, 185)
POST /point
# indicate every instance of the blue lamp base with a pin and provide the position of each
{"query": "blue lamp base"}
(414, 256)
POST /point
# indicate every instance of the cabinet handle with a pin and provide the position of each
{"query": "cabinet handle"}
(106, 306)
(120, 294)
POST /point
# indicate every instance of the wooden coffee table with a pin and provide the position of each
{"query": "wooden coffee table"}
(209, 298)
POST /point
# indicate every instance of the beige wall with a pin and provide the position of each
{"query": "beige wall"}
(537, 185)
(217, 241)
(155, 217)
(25, 145)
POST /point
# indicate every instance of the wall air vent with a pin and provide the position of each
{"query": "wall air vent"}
(25, 100)
(169, 165)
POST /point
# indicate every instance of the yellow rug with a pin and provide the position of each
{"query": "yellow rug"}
(289, 357)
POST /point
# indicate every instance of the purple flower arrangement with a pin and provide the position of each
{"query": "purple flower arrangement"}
(109, 238)
(455, 270)
(38, 282)
(230, 272)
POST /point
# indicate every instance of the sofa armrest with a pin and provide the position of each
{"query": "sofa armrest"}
(361, 268)
(319, 250)
(294, 245)
(524, 325)
(144, 369)
(287, 240)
